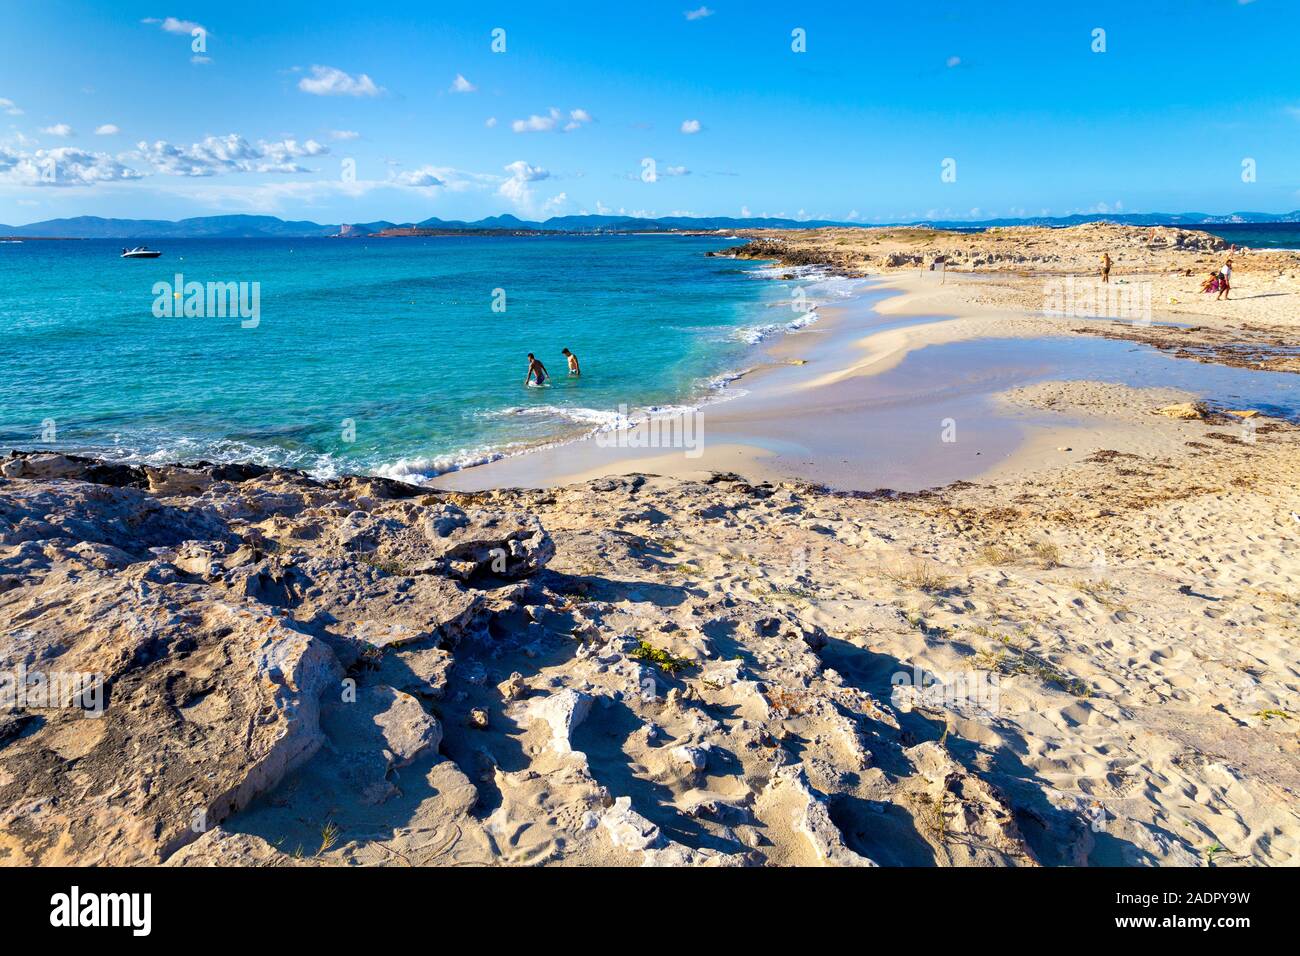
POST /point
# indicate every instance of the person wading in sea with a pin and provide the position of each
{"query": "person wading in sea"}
(573, 362)
(535, 368)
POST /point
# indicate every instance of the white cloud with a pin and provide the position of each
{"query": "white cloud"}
(228, 154)
(64, 166)
(331, 81)
(108, 129)
(953, 61)
(515, 189)
(526, 172)
(462, 85)
(344, 134)
(675, 171)
(690, 126)
(282, 153)
(175, 25)
(556, 203)
(448, 178)
(490, 122)
(551, 121)
(425, 176)
(10, 107)
(58, 129)
(577, 119)
(699, 13)
(537, 124)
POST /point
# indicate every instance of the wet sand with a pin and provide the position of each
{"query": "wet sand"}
(887, 391)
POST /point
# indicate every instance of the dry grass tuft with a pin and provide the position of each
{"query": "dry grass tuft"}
(919, 575)
(1047, 553)
(997, 554)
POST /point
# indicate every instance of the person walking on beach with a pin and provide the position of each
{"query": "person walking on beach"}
(574, 370)
(1225, 280)
(535, 369)
(1105, 267)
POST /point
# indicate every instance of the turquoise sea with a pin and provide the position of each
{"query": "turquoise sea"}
(375, 356)
(1258, 235)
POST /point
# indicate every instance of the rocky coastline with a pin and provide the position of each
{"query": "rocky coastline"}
(629, 671)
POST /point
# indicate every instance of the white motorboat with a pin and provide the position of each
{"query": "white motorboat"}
(140, 252)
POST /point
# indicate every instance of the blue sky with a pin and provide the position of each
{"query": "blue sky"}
(106, 109)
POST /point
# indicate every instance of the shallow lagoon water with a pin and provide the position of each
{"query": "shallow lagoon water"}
(887, 430)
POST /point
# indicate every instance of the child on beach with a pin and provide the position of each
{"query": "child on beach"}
(573, 362)
(535, 368)
(1225, 280)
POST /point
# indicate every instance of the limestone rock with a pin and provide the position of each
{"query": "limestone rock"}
(694, 759)
(470, 544)
(208, 705)
(563, 712)
(979, 828)
(219, 847)
(811, 818)
(513, 687)
(381, 731)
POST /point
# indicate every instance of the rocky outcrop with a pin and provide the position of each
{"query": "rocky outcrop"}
(294, 672)
(176, 641)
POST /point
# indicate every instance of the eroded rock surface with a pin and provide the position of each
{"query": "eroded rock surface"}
(652, 672)
(194, 625)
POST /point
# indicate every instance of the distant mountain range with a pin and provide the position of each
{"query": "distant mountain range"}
(270, 227)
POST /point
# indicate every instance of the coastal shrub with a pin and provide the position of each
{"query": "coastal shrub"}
(395, 568)
(666, 662)
(931, 816)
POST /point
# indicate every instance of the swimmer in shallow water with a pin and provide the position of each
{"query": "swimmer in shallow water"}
(573, 363)
(535, 368)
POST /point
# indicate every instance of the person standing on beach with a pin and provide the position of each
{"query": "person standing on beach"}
(1105, 267)
(535, 368)
(574, 370)
(1225, 280)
